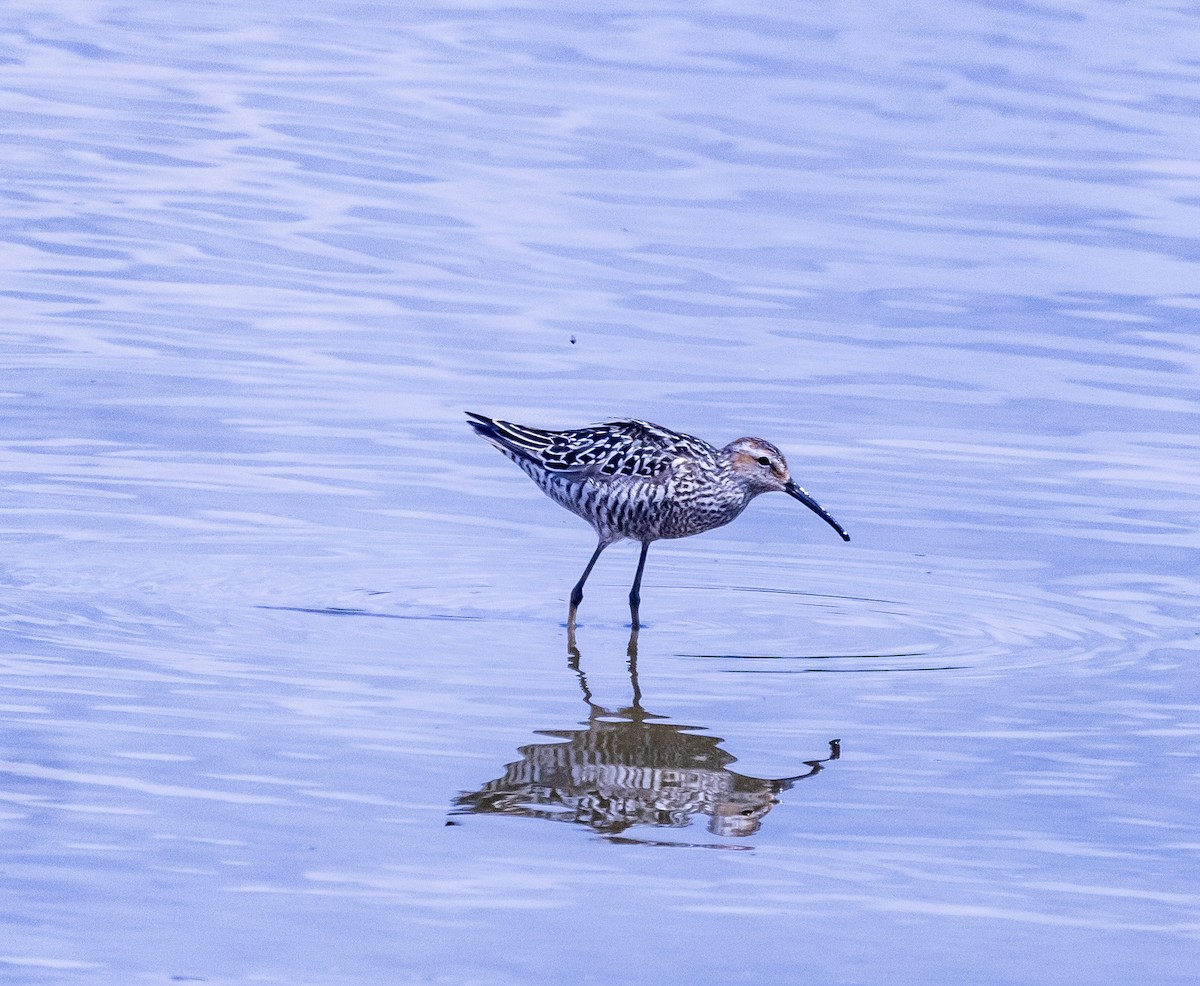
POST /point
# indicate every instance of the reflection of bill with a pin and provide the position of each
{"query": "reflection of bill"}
(626, 768)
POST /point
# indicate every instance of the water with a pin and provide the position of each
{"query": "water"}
(286, 694)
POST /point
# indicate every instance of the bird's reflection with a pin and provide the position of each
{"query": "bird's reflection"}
(628, 767)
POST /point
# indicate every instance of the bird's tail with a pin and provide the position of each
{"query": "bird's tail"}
(515, 440)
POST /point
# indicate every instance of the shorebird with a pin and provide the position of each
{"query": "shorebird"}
(639, 481)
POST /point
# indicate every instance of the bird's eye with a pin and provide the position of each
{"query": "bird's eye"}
(763, 460)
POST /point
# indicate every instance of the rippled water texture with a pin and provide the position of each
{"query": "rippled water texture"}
(285, 690)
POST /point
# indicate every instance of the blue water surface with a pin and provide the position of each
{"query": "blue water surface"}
(286, 694)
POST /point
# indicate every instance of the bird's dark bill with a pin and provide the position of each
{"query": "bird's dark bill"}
(793, 490)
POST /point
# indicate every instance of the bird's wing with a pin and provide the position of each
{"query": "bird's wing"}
(614, 448)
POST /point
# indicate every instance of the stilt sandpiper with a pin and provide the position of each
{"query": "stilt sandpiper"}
(639, 481)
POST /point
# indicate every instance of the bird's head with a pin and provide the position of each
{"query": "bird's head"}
(761, 468)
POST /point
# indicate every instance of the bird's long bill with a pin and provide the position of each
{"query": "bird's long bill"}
(791, 489)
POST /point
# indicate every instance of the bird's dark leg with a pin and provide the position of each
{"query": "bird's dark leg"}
(577, 592)
(635, 594)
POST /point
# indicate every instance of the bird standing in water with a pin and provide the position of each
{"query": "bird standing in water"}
(643, 482)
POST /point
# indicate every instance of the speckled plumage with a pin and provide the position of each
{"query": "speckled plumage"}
(637, 480)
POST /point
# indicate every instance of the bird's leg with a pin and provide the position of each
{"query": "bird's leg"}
(635, 594)
(577, 592)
